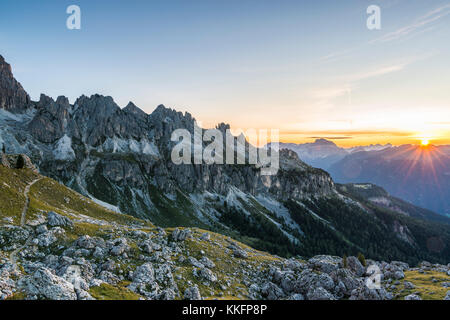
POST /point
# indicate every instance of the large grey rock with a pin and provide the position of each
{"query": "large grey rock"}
(86, 242)
(297, 296)
(240, 253)
(57, 220)
(144, 274)
(409, 285)
(46, 285)
(319, 293)
(205, 274)
(325, 264)
(346, 280)
(45, 239)
(310, 279)
(402, 265)
(192, 293)
(194, 262)
(287, 282)
(164, 276)
(355, 266)
(207, 262)
(120, 246)
(271, 291)
(181, 235)
(364, 293)
(413, 297)
(7, 284)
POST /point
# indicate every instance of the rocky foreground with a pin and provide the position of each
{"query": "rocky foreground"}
(57, 244)
(42, 262)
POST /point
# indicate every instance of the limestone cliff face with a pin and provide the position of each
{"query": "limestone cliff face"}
(13, 97)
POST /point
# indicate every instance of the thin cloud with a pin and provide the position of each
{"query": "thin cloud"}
(386, 69)
(349, 133)
(424, 21)
(421, 26)
(331, 138)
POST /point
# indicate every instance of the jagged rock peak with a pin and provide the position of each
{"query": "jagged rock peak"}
(48, 102)
(63, 100)
(45, 100)
(132, 108)
(99, 104)
(289, 160)
(13, 97)
(162, 112)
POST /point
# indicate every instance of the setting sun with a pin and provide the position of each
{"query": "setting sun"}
(425, 142)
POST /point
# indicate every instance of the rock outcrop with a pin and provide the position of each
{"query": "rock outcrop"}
(13, 97)
(17, 161)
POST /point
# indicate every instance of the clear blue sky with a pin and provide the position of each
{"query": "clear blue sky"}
(306, 67)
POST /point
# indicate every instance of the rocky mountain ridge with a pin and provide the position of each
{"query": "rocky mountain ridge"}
(120, 158)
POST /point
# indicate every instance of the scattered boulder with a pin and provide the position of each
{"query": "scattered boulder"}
(192, 293)
(346, 280)
(120, 246)
(447, 297)
(413, 297)
(194, 262)
(271, 291)
(319, 293)
(205, 237)
(41, 229)
(85, 242)
(56, 220)
(205, 274)
(325, 264)
(207, 262)
(409, 285)
(297, 296)
(355, 266)
(144, 274)
(181, 235)
(45, 239)
(365, 293)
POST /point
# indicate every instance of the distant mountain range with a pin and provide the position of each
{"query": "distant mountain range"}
(420, 175)
(121, 159)
(323, 153)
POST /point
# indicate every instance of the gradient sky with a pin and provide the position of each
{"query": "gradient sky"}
(309, 68)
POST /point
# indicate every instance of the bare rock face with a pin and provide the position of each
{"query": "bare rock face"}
(4, 160)
(17, 161)
(52, 119)
(13, 97)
